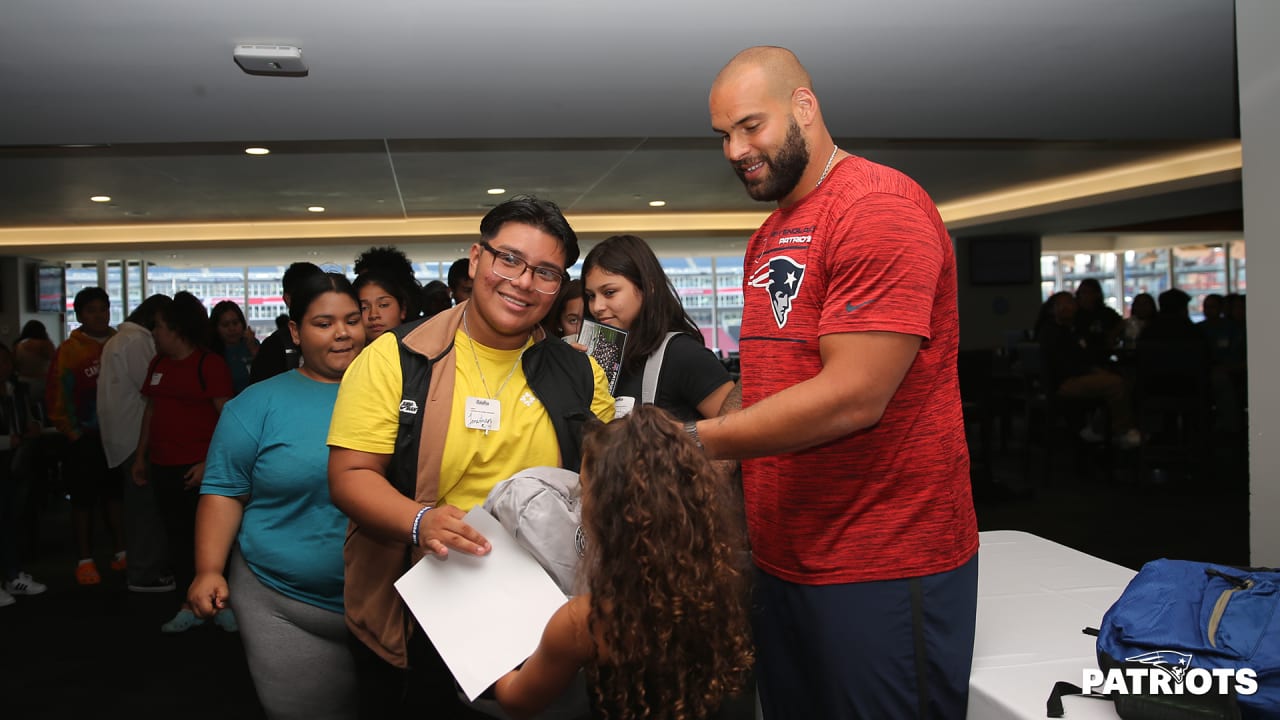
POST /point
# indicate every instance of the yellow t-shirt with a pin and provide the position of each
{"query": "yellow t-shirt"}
(366, 416)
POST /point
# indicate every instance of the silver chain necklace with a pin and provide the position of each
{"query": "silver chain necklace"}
(476, 357)
(827, 169)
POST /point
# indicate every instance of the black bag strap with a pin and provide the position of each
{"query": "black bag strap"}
(562, 379)
(415, 377)
(1053, 707)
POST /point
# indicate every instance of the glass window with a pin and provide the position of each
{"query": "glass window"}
(428, 271)
(1048, 276)
(728, 303)
(1200, 270)
(1236, 250)
(1145, 271)
(1099, 266)
(80, 275)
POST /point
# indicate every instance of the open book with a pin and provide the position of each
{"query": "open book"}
(604, 343)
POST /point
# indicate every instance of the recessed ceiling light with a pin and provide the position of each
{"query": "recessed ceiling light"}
(101, 198)
(257, 151)
(496, 191)
(316, 208)
(657, 203)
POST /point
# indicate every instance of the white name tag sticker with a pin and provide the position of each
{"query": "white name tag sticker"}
(483, 414)
(155, 378)
(622, 406)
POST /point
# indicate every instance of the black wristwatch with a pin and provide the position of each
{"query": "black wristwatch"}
(691, 427)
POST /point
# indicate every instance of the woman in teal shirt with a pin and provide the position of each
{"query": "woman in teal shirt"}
(268, 538)
(230, 338)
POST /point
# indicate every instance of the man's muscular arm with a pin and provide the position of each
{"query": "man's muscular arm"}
(860, 373)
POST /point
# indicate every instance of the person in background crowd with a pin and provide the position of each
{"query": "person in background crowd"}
(1173, 319)
(32, 355)
(1142, 311)
(277, 353)
(1212, 307)
(18, 425)
(1096, 323)
(71, 396)
(231, 337)
(626, 287)
(564, 319)
(121, 406)
(507, 402)
(1071, 372)
(663, 625)
(265, 503)
(435, 298)
(186, 388)
(459, 279)
(393, 267)
(383, 302)
(848, 356)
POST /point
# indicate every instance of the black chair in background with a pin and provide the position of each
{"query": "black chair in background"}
(1171, 397)
(1056, 420)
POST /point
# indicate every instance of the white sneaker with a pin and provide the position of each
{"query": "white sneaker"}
(6, 599)
(25, 585)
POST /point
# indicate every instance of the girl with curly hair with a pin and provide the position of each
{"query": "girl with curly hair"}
(663, 627)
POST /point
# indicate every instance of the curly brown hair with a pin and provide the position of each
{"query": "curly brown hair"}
(665, 566)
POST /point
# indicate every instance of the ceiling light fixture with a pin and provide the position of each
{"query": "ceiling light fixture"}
(101, 198)
(257, 151)
(1191, 168)
(270, 60)
(657, 203)
(496, 191)
(316, 208)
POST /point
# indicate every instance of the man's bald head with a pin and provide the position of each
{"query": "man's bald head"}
(778, 67)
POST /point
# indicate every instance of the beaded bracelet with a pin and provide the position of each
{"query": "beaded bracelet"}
(417, 521)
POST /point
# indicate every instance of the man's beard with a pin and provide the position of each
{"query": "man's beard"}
(785, 168)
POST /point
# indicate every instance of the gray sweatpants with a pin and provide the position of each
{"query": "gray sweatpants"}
(297, 653)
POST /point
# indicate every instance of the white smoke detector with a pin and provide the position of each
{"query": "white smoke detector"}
(270, 59)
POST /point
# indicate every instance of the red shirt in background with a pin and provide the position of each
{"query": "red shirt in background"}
(182, 412)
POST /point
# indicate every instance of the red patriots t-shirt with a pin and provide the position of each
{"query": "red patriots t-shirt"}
(865, 252)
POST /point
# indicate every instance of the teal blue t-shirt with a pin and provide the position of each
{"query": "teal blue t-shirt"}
(270, 446)
(239, 359)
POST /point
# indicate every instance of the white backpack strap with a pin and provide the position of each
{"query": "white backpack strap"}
(653, 366)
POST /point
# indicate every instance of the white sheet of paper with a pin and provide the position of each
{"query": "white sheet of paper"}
(484, 614)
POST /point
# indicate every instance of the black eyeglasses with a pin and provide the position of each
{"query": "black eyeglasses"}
(510, 266)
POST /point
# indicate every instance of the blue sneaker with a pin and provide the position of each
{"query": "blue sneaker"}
(182, 622)
(226, 619)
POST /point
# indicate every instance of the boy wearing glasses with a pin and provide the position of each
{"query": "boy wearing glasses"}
(499, 400)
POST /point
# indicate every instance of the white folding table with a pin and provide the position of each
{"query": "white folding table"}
(1034, 598)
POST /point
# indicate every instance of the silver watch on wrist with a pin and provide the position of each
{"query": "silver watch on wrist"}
(691, 427)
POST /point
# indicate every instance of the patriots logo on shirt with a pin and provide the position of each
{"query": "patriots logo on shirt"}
(781, 276)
